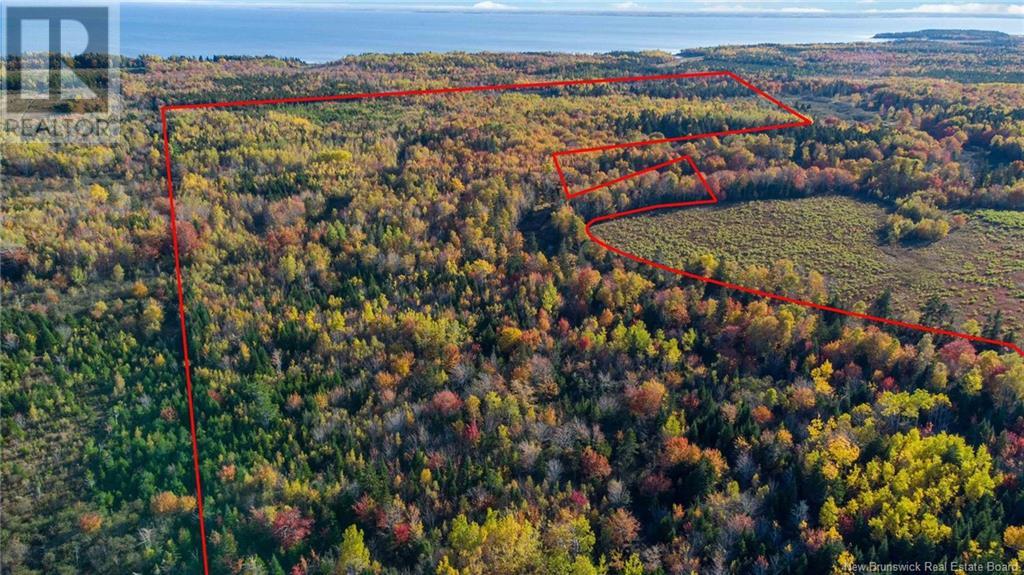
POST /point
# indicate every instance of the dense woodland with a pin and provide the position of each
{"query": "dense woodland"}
(408, 358)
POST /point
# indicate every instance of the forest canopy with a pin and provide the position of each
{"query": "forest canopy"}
(407, 357)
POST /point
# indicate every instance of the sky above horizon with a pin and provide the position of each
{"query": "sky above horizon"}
(1001, 8)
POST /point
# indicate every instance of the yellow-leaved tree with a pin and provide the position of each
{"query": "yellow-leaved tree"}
(918, 484)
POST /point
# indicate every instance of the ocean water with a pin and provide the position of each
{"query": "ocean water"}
(320, 35)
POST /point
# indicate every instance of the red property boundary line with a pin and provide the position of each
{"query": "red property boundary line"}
(801, 120)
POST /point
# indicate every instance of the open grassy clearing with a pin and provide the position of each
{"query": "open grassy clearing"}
(976, 269)
(836, 107)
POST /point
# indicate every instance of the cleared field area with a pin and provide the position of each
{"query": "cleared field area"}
(977, 269)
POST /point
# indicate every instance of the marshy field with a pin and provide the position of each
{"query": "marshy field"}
(977, 269)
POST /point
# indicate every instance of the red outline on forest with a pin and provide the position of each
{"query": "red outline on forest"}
(801, 121)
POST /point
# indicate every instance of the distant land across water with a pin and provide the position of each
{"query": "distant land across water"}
(321, 35)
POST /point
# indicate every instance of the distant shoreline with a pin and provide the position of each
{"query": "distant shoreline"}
(324, 34)
(797, 13)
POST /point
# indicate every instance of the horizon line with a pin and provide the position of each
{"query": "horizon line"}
(1004, 11)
